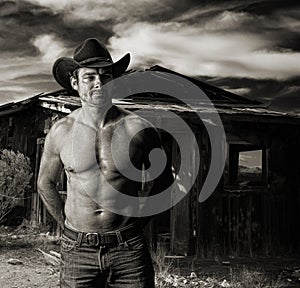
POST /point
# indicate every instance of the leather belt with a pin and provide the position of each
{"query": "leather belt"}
(109, 238)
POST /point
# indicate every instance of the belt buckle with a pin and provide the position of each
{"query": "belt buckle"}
(92, 239)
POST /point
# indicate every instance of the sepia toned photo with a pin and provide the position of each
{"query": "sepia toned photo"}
(149, 143)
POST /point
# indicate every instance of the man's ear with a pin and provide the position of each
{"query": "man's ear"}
(74, 83)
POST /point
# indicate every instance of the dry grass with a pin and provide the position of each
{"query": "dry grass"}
(245, 278)
(167, 274)
(25, 236)
(237, 278)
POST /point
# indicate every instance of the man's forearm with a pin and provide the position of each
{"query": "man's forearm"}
(164, 181)
(53, 202)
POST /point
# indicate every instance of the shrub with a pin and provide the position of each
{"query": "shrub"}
(15, 176)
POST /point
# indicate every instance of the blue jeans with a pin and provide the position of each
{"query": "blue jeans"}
(125, 265)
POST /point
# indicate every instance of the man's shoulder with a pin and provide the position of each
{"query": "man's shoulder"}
(133, 120)
(63, 125)
(139, 128)
(58, 131)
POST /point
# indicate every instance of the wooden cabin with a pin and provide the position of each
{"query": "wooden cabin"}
(253, 211)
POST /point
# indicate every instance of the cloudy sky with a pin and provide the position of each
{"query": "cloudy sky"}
(249, 47)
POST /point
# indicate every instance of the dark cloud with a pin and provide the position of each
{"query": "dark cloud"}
(174, 31)
(289, 102)
(41, 82)
(18, 24)
(167, 12)
(282, 95)
(275, 19)
(7, 8)
(268, 7)
(289, 41)
(22, 21)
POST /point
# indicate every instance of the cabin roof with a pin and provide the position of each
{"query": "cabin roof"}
(226, 103)
(218, 96)
(18, 105)
(66, 104)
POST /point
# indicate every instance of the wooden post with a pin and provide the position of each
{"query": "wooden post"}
(35, 204)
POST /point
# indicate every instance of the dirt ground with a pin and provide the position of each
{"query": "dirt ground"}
(32, 271)
(21, 263)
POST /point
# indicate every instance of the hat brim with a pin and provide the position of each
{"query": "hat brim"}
(65, 66)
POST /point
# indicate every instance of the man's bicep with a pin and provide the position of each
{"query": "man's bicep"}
(151, 141)
(154, 142)
(51, 165)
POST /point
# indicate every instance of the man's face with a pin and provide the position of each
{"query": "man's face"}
(89, 82)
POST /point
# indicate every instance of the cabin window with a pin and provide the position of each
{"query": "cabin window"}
(250, 167)
(247, 165)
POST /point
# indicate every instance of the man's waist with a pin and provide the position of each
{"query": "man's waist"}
(114, 237)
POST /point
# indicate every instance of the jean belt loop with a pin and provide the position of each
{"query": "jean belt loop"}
(79, 239)
(120, 238)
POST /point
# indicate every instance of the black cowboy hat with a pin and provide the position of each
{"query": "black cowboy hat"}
(90, 53)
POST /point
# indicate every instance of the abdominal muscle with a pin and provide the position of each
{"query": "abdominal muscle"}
(84, 212)
(88, 194)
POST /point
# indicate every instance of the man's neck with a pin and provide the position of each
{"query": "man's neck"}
(92, 114)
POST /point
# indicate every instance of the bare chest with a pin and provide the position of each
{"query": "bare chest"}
(78, 148)
(109, 149)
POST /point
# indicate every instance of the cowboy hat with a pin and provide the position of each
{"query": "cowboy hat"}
(90, 53)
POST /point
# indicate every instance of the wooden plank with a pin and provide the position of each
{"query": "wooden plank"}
(4, 125)
(36, 211)
(181, 214)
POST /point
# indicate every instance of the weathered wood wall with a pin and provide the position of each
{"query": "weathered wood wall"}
(19, 132)
(24, 131)
(254, 220)
(240, 221)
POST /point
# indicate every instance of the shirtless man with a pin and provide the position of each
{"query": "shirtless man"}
(99, 247)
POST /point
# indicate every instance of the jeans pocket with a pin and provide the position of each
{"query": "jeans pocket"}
(136, 243)
(67, 244)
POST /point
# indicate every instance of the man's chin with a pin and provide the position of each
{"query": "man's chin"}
(99, 97)
(99, 102)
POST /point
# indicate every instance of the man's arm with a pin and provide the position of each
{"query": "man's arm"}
(165, 179)
(49, 173)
